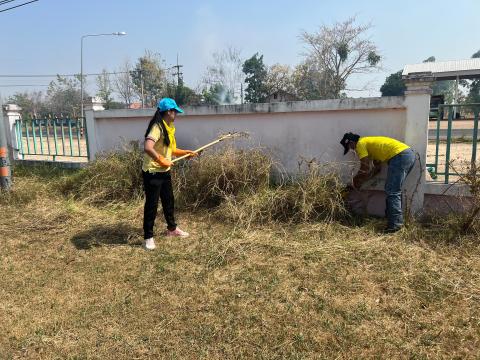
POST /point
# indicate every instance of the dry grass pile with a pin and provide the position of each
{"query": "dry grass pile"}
(113, 178)
(200, 183)
(314, 196)
(205, 182)
(241, 187)
(237, 184)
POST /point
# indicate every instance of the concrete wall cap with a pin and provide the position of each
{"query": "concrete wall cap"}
(12, 107)
(387, 102)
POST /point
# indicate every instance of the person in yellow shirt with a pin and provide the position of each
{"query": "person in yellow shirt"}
(400, 159)
(160, 146)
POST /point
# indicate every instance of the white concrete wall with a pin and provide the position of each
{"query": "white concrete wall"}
(290, 131)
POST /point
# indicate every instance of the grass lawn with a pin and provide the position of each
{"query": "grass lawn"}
(75, 283)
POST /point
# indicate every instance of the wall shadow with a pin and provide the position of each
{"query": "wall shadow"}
(111, 234)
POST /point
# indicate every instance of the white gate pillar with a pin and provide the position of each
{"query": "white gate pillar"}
(417, 101)
(12, 113)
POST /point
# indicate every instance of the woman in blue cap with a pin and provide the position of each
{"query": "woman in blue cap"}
(159, 147)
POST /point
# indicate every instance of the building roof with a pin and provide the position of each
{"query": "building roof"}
(447, 70)
(135, 105)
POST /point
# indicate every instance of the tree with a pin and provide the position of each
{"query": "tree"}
(32, 103)
(311, 82)
(255, 76)
(116, 105)
(64, 97)
(341, 51)
(105, 90)
(394, 85)
(474, 86)
(227, 72)
(215, 95)
(446, 88)
(149, 78)
(186, 96)
(182, 94)
(280, 78)
(123, 83)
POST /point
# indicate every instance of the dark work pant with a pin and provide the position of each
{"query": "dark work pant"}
(157, 185)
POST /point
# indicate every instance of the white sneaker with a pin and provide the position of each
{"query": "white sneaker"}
(149, 244)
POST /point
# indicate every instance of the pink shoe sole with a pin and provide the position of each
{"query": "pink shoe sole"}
(177, 233)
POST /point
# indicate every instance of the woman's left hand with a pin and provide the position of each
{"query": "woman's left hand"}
(191, 153)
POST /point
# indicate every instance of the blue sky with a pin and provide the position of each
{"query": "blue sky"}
(44, 37)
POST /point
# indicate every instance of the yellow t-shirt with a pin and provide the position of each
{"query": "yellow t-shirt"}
(380, 148)
(156, 134)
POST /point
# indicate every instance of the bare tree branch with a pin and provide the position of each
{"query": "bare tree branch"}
(342, 50)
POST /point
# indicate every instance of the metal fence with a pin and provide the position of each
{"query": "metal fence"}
(455, 142)
(52, 138)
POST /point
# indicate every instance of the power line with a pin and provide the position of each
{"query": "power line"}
(13, 7)
(5, 2)
(73, 75)
(61, 75)
(17, 85)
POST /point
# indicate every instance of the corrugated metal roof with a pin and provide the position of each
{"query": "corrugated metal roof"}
(447, 69)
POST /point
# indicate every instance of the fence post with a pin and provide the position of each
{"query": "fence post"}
(91, 134)
(417, 102)
(12, 113)
(93, 104)
(5, 179)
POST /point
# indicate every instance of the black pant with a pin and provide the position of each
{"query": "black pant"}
(157, 185)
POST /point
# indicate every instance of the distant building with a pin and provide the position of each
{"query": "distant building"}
(135, 105)
(281, 96)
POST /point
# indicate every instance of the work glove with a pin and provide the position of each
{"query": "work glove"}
(179, 153)
(191, 153)
(163, 161)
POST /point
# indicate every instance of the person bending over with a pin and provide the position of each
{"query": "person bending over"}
(400, 159)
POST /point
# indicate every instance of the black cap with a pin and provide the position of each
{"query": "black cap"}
(347, 137)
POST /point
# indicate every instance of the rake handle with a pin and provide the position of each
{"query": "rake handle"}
(197, 150)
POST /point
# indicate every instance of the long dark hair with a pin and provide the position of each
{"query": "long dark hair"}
(157, 119)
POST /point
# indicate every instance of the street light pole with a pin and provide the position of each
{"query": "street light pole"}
(120, 33)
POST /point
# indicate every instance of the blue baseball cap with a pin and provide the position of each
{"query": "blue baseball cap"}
(166, 104)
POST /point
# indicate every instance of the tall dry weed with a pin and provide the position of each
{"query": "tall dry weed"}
(237, 184)
(205, 182)
(467, 222)
(112, 178)
(314, 196)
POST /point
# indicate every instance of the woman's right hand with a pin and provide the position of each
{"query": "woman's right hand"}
(164, 162)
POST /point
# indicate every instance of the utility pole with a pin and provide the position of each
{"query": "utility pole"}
(178, 73)
(5, 175)
(120, 33)
(141, 84)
